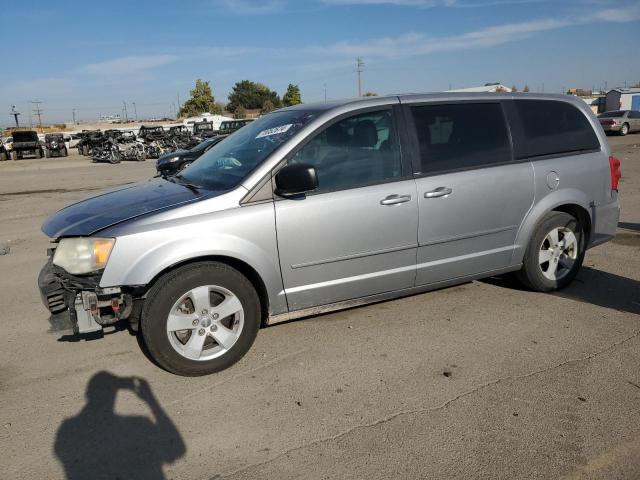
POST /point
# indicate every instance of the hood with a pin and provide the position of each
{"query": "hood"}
(97, 213)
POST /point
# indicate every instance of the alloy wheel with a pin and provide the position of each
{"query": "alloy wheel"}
(205, 323)
(558, 253)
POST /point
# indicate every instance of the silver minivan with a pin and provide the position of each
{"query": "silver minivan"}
(315, 208)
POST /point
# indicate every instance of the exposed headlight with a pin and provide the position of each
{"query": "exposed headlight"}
(83, 255)
(174, 159)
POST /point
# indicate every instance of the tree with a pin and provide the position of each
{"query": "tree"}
(240, 112)
(370, 94)
(267, 107)
(292, 96)
(201, 101)
(514, 88)
(251, 95)
(526, 89)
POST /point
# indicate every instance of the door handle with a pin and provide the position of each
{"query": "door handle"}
(395, 199)
(438, 192)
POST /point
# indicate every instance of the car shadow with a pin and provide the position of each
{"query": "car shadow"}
(99, 443)
(592, 286)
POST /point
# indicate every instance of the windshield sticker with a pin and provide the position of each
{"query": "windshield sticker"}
(274, 131)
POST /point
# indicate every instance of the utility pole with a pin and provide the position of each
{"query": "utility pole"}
(73, 114)
(179, 105)
(135, 111)
(15, 114)
(360, 68)
(126, 116)
(38, 111)
(325, 93)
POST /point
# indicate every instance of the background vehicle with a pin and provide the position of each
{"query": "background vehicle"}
(7, 142)
(315, 208)
(26, 142)
(228, 127)
(173, 162)
(620, 121)
(204, 129)
(4, 154)
(54, 145)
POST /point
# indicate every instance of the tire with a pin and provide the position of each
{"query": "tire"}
(173, 291)
(65, 152)
(624, 129)
(565, 259)
(14, 155)
(47, 154)
(38, 153)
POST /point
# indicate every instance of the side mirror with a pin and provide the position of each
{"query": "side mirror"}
(296, 179)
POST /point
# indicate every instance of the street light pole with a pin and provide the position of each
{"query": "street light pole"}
(360, 68)
(73, 113)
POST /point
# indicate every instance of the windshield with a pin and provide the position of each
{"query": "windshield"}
(611, 114)
(226, 165)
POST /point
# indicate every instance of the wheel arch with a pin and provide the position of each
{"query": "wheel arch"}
(571, 201)
(243, 267)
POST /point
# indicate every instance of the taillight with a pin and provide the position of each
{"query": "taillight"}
(607, 122)
(616, 174)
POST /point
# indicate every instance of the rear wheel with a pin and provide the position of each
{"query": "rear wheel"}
(14, 155)
(47, 153)
(65, 152)
(200, 318)
(624, 129)
(38, 153)
(554, 254)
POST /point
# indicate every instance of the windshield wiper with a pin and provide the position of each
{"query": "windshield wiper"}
(180, 181)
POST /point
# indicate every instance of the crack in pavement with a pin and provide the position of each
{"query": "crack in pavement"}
(427, 409)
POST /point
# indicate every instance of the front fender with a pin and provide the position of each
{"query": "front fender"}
(246, 234)
(540, 208)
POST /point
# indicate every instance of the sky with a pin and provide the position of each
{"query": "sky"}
(96, 56)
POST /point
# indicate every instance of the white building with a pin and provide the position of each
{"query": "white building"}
(209, 117)
(623, 99)
(486, 88)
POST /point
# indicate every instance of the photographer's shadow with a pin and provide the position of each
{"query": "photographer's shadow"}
(98, 443)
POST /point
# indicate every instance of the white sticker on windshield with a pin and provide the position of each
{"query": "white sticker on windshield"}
(274, 131)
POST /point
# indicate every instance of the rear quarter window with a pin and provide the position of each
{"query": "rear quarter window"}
(551, 127)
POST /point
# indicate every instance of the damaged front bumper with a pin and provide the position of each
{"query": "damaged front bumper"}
(79, 303)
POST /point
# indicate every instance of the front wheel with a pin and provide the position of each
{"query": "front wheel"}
(200, 318)
(554, 254)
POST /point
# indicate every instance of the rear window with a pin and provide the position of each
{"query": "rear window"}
(551, 127)
(463, 135)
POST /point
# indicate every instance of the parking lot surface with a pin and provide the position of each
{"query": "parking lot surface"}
(482, 380)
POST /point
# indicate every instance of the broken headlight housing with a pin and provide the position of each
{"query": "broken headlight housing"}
(83, 254)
